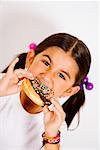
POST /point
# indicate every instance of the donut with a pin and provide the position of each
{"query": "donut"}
(31, 93)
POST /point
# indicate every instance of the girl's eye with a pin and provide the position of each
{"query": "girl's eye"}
(61, 76)
(46, 63)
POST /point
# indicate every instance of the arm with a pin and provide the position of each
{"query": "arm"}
(52, 147)
(52, 122)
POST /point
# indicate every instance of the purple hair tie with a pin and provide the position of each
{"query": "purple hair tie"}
(88, 85)
(32, 46)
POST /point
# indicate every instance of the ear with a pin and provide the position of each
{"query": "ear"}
(29, 58)
(71, 91)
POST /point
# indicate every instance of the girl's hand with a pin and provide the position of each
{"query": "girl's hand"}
(53, 119)
(11, 81)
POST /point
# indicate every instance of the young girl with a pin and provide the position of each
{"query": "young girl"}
(61, 62)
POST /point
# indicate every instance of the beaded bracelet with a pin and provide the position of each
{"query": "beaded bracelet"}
(51, 140)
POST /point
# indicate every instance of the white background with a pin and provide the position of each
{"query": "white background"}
(24, 22)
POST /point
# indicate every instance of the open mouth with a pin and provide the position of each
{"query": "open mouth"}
(44, 92)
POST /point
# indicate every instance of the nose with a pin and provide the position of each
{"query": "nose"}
(47, 78)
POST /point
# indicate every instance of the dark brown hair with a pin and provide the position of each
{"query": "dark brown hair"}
(81, 55)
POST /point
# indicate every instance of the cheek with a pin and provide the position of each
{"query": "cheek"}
(60, 87)
(36, 68)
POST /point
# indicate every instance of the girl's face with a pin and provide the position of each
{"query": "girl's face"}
(56, 69)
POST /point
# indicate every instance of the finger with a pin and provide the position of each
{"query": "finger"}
(60, 115)
(45, 109)
(57, 104)
(19, 88)
(12, 65)
(16, 88)
(23, 73)
(58, 109)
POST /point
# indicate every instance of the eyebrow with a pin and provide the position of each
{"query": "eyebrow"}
(61, 70)
(48, 58)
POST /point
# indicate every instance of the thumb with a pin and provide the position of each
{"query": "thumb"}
(45, 109)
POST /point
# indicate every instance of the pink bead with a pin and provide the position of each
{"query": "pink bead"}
(32, 46)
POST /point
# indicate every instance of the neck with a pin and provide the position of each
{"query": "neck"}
(28, 104)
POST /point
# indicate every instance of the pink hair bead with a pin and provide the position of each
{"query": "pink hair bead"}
(32, 46)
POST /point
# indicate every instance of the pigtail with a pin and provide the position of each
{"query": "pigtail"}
(73, 105)
(20, 63)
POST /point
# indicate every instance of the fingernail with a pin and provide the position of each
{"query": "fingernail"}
(26, 69)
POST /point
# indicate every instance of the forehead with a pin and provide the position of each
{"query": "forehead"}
(61, 59)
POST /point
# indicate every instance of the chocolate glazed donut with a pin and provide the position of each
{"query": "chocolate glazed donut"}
(39, 93)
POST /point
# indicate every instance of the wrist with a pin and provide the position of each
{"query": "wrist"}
(51, 133)
(51, 140)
